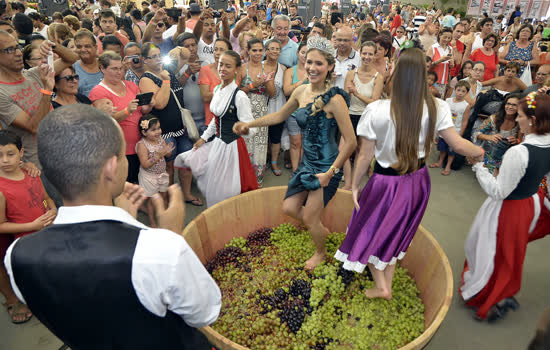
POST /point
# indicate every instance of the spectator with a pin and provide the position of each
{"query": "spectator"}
(383, 52)
(243, 25)
(31, 56)
(399, 38)
(108, 24)
(318, 29)
(396, 23)
(521, 51)
(418, 20)
(38, 22)
(281, 28)
(156, 27)
(542, 74)
(59, 32)
(296, 22)
(112, 43)
(427, 33)
(508, 82)
(205, 29)
(123, 96)
(167, 88)
(347, 58)
(23, 27)
(133, 62)
(209, 77)
(458, 48)
(57, 17)
(83, 153)
(514, 15)
(66, 89)
(72, 22)
(449, 20)
(486, 26)
(195, 13)
(138, 24)
(86, 67)
(487, 55)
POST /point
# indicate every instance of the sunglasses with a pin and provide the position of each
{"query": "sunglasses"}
(160, 24)
(68, 78)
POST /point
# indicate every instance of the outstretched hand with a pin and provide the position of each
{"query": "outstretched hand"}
(241, 128)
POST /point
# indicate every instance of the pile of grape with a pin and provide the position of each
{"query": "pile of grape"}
(270, 302)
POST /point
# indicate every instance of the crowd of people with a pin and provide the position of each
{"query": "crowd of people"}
(142, 93)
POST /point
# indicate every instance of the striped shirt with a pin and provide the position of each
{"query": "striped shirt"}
(418, 20)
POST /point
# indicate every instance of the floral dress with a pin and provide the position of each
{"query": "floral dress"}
(514, 53)
(257, 144)
(495, 151)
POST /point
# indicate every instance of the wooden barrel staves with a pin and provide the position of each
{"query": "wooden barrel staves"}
(237, 216)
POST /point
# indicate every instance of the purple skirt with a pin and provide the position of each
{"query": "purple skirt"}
(391, 208)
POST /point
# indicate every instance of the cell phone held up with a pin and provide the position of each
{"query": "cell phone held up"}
(144, 99)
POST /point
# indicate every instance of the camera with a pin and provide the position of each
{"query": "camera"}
(216, 14)
(135, 58)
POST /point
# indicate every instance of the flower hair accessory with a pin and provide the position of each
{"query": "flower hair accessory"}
(145, 124)
(530, 99)
(321, 44)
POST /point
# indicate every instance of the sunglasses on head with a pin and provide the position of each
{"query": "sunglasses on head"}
(68, 78)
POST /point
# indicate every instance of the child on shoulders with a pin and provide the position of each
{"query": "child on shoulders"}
(151, 150)
(459, 108)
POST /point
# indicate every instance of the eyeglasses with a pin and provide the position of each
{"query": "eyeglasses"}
(508, 104)
(155, 57)
(10, 50)
(68, 78)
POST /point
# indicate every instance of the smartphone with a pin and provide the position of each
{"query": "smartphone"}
(144, 99)
(173, 12)
(50, 60)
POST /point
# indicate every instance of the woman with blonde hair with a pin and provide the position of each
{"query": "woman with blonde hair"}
(397, 132)
(321, 111)
(72, 22)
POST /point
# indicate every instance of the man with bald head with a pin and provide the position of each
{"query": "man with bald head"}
(346, 57)
(542, 74)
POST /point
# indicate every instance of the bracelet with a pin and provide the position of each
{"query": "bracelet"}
(186, 75)
(126, 111)
(251, 86)
(46, 92)
(166, 81)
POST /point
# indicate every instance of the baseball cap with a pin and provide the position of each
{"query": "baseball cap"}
(195, 8)
(230, 9)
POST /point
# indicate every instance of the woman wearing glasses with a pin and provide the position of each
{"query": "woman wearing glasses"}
(126, 112)
(31, 56)
(66, 89)
(167, 89)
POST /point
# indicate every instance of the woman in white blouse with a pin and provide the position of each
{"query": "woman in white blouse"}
(515, 213)
(222, 167)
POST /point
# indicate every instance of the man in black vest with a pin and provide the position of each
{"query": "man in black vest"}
(98, 278)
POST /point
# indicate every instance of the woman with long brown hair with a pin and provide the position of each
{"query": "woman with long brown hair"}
(398, 133)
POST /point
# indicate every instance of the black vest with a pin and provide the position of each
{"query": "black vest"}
(77, 280)
(537, 167)
(224, 124)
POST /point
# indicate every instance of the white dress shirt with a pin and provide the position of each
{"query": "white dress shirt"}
(166, 273)
(377, 124)
(341, 68)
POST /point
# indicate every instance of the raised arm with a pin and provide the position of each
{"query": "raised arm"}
(150, 29)
(66, 56)
(180, 28)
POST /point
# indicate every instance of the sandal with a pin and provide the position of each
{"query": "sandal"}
(446, 173)
(196, 202)
(17, 310)
(276, 172)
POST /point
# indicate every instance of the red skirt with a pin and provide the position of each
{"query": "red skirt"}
(249, 182)
(514, 221)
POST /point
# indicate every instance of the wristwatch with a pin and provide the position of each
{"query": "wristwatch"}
(334, 169)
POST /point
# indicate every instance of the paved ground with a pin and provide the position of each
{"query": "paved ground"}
(453, 204)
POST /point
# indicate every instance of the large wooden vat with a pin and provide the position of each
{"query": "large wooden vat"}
(216, 226)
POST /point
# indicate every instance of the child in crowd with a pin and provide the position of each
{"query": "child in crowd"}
(25, 208)
(151, 150)
(432, 78)
(459, 108)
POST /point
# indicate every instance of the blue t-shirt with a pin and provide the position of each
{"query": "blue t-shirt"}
(86, 81)
(289, 54)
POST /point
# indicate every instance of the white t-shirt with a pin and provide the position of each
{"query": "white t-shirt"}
(376, 124)
(341, 68)
(478, 42)
(206, 52)
(457, 112)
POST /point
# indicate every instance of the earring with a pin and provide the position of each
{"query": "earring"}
(530, 124)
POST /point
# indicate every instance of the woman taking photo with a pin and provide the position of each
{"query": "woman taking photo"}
(167, 88)
(487, 55)
(66, 89)
(273, 51)
(209, 77)
(522, 50)
(442, 59)
(499, 132)
(259, 86)
(86, 67)
(123, 96)
(398, 133)
(294, 78)
(222, 167)
(515, 213)
(364, 85)
(321, 111)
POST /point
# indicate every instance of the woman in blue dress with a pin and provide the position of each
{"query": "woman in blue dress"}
(320, 111)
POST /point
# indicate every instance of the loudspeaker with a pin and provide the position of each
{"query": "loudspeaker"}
(386, 7)
(345, 7)
(48, 7)
(309, 8)
(218, 4)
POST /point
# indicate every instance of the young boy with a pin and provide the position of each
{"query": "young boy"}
(25, 208)
(432, 78)
(459, 108)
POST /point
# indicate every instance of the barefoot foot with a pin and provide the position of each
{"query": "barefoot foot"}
(446, 172)
(436, 165)
(315, 260)
(378, 293)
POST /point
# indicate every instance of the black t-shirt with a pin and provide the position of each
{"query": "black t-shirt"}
(79, 98)
(334, 17)
(299, 26)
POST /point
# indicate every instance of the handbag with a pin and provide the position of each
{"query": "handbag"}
(187, 119)
(526, 76)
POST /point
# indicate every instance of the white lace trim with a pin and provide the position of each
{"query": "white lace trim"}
(359, 267)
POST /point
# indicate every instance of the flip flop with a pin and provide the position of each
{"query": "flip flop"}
(196, 202)
(16, 310)
(275, 172)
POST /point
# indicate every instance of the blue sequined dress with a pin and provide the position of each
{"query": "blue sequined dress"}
(320, 148)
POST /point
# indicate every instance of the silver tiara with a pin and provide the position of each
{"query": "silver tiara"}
(320, 43)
